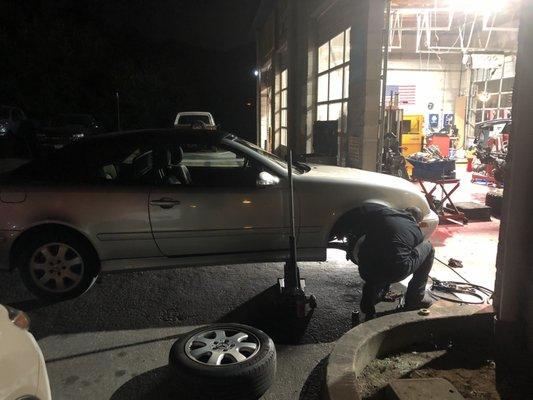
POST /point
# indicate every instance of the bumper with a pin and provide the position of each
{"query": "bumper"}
(429, 224)
(7, 238)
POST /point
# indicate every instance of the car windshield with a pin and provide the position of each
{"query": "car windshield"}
(300, 168)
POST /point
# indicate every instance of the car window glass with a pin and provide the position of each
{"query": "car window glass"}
(216, 166)
(192, 119)
(210, 156)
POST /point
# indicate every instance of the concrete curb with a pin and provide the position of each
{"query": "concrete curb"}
(359, 346)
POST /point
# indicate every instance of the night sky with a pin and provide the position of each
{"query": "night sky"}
(162, 56)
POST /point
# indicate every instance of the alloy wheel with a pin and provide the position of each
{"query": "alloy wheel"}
(222, 347)
(56, 267)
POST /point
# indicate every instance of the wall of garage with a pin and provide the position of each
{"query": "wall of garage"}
(436, 82)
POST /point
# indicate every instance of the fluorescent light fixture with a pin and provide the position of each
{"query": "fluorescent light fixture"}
(478, 6)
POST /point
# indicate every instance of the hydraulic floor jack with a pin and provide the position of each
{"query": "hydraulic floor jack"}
(292, 286)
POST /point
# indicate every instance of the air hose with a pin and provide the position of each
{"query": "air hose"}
(454, 288)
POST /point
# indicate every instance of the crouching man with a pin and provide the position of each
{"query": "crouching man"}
(391, 248)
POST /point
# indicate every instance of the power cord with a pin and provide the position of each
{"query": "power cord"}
(454, 288)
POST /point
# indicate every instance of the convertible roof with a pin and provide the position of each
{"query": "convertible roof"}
(154, 134)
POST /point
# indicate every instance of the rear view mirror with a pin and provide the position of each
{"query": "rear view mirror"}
(267, 179)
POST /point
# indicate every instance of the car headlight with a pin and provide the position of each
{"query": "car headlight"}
(77, 136)
(19, 318)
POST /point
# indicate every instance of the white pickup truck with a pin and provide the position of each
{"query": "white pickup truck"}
(200, 119)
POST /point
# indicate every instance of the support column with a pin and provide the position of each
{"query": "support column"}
(514, 280)
(365, 84)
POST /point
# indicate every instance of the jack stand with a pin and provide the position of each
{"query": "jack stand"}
(291, 286)
(293, 296)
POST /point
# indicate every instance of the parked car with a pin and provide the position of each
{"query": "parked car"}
(11, 119)
(199, 119)
(23, 371)
(66, 128)
(156, 198)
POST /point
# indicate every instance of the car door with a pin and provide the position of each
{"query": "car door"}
(222, 209)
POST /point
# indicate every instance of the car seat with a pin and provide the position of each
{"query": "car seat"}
(142, 165)
(182, 172)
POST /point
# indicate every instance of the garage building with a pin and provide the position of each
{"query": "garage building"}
(324, 79)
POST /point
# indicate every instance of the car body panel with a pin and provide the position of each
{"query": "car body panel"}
(219, 220)
(210, 224)
(326, 193)
(114, 219)
(22, 366)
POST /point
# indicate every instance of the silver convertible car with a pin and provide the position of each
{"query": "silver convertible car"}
(162, 198)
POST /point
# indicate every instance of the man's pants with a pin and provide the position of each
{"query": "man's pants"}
(419, 264)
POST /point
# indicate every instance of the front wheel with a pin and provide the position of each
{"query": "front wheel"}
(57, 266)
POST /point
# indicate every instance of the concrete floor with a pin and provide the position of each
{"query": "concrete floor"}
(113, 342)
(475, 243)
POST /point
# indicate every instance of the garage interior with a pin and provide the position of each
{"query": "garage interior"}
(450, 63)
(449, 78)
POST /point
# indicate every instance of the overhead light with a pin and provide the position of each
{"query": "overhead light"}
(484, 96)
(478, 6)
(256, 72)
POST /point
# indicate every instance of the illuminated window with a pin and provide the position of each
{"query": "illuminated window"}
(280, 115)
(333, 78)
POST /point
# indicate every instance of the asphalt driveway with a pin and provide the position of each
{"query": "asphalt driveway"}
(113, 342)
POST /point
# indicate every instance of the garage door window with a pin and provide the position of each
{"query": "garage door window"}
(280, 115)
(333, 78)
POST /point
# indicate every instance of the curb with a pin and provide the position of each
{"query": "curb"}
(362, 344)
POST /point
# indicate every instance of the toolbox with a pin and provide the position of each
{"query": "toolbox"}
(439, 169)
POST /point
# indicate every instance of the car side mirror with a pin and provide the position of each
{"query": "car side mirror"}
(266, 179)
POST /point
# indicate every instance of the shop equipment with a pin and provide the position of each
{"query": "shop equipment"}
(292, 286)
(412, 134)
(449, 214)
(473, 211)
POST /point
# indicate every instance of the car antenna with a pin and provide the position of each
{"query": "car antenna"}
(291, 286)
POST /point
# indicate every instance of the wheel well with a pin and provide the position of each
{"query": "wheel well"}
(43, 229)
(347, 224)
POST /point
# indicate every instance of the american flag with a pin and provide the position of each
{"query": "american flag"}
(406, 94)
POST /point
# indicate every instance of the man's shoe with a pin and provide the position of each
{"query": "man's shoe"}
(426, 302)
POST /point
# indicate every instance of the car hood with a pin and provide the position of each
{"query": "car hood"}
(385, 187)
(339, 174)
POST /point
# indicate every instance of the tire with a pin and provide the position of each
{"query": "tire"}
(245, 380)
(54, 254)
(495, 201)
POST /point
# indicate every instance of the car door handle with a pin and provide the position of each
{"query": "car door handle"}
(165, 202)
